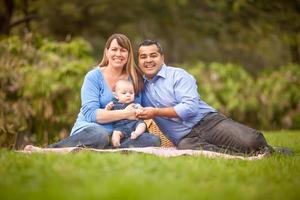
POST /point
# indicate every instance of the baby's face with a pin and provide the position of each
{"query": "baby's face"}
(125, 93)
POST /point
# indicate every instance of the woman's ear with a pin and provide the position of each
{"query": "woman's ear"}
(105, 53)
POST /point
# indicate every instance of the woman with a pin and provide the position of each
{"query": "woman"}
(93, 127)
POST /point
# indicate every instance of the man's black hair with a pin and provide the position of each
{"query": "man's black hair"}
(149, 42)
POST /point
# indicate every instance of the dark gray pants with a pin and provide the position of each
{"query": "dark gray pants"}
(216, 132)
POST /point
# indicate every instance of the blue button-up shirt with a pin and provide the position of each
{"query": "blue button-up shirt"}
(174, 87)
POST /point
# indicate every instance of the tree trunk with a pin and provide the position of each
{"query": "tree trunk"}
(294, 49)
(26, 14)
(5, 17)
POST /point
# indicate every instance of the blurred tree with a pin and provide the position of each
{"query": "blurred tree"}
(16, 13)
(256, 34)
(265, 19)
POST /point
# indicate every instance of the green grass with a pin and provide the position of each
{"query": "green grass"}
(88, 175)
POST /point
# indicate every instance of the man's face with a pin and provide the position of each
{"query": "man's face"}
(150, 60)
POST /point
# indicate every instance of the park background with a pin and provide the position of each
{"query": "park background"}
(245, 55)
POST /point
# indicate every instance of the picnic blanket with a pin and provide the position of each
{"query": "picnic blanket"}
(158, 151)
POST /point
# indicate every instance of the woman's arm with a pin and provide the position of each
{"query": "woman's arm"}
(91, 93)
(106, 116)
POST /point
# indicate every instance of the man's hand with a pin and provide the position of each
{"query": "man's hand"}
(147, 113)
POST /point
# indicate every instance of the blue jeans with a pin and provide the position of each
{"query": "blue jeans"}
(144, 140)
(99, 138)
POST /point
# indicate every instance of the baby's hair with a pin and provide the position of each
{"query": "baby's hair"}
(122, 82)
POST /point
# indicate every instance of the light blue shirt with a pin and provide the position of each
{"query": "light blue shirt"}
(95, 94)
(174, 87)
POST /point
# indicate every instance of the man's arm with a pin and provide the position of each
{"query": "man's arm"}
(182, 99)
(150, 112)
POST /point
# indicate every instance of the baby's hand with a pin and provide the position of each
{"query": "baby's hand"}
(134, 135)
(138, 111)
(109, 106)
(139, 108)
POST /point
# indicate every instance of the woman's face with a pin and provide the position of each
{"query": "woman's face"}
(117, 56)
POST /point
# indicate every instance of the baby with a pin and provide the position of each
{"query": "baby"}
(123, 129)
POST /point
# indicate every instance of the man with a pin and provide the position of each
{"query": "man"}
(171, 98)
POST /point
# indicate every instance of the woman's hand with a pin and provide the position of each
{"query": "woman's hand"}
(107, 116)
(131, 112)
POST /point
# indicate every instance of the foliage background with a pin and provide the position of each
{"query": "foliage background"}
(244, 54)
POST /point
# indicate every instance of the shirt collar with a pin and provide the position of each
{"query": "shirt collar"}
(161, 73)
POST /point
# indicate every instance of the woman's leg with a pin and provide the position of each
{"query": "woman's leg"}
(92, 137)
(144, 140)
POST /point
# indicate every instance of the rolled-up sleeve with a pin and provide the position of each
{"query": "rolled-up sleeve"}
(90, 97)
(187, 96)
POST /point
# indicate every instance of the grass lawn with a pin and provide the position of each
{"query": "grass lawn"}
(90, 175)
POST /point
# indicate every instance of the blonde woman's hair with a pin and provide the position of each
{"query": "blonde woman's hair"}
(134, 72)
